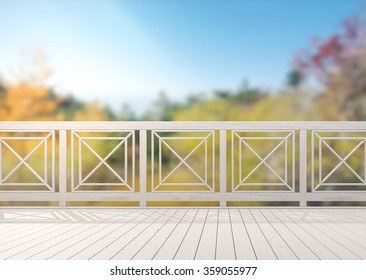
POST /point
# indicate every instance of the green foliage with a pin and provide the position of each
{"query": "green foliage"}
(2, 88)
(69, 106)
(294, 78)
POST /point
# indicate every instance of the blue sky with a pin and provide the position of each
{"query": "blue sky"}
(117, 51)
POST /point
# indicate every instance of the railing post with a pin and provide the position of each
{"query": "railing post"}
(62, 167)
(222, 168)
(143, 160)
(303, 168)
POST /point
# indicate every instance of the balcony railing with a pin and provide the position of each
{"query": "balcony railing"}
(207, 162)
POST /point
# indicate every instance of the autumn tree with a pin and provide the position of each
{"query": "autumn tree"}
(338, 63)
(27, 103)
(31, 97)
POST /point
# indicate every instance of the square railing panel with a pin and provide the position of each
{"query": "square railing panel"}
(183, 160)
(338, 160)
(102, 161)
(27, 161)
(263, 161)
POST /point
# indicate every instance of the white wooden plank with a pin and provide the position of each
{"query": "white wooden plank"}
(342, 240)
(242, 243)
(109, 251)
(321, 251)
(351, 223)
(92, 216)
(276, 241)
(38, 244)
(339, 217)
(171, 245)
(69, 250)
(23, 235)
(53, 243)
(325, 239)
(72, 249)
(134, 246)
(4, 228)
(188, 247)
(351, 212)
(260, 244)
(343, 215)
(121, 215)
(15, 228)
(293, 241)
(152, 246)
(207, 246)
(344, 227)
(225, 244)
(15, 246)
(348, 231)
(109, 239)
(71, 237)
(354, 222)
(77, 215)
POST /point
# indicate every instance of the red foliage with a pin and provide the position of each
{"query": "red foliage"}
(335, 50)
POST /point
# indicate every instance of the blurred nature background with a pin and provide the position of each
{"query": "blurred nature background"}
(183, 60)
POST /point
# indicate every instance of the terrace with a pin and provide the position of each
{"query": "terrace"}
(182, 190)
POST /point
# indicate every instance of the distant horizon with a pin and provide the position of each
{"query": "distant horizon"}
(128, 51)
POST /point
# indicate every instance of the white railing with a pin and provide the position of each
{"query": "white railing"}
(144, 162)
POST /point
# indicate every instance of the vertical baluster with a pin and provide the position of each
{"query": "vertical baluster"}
(222, 168)
(143, 168)
(302, 168)
(1, 160)
(62, 167)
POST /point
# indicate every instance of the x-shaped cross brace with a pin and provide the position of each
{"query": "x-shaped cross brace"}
(183, 161)
(342, 161)
(102, 161)
(263, 161)
(24, 161)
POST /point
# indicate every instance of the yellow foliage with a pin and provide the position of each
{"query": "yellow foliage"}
(281, 107)
(215, 110)
(27, 103)
(91, 112)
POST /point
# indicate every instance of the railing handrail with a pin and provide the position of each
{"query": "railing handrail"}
(183, 125)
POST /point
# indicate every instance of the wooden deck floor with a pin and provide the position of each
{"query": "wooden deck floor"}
(138, 233)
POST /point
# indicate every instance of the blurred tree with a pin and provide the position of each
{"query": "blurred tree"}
(249, 95)
(214, 110)
(339, 64)
(27, 103)
(159, 109)
(68, 106)
(2, 87)
(31, 98)
(222, 94)
(294, 78)
(111, 115)
(127, 114)
(194, 98)
(91, 112)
